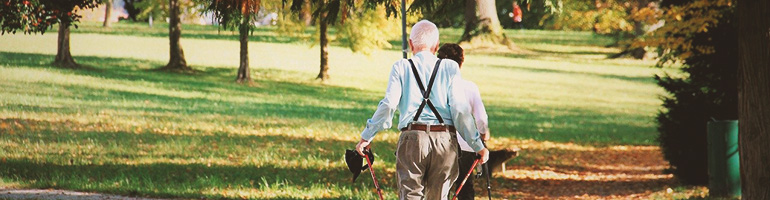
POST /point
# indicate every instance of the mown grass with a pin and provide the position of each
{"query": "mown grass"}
(118, 126)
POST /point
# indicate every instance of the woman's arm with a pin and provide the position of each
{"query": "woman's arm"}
(479, 111)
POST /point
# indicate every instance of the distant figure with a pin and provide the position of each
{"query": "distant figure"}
(268, 20)
(517, 15)
(467, 155)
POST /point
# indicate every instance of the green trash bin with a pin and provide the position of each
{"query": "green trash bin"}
(723, 161)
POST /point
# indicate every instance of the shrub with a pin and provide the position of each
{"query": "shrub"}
(706, 91)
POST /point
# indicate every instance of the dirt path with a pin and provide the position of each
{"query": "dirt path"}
(11, 193)
(568, 171)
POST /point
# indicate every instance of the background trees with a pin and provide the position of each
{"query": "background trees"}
(482, 25)
(241, 14)
(131, 9)
(325, 12)
(368, 31)
(107, 13)
(626, 20)
(151, 10)
(482, 28)
(176, 60)
(37, 16)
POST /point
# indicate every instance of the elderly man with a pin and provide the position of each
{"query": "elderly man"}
(431, 111)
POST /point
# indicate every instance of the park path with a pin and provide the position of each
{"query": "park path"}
(12, 193)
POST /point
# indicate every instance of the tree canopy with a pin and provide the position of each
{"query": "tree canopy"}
(38, 16)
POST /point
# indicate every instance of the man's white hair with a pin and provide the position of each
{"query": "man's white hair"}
(424, 35)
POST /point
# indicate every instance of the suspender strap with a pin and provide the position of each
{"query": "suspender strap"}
(426, 93)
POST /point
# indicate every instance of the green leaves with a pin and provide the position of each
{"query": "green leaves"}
(37, 16)
(369, 31)
(232, 13)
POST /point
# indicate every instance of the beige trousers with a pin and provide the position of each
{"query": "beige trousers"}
(426, 164)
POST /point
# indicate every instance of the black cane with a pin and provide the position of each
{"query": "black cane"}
(486, 168)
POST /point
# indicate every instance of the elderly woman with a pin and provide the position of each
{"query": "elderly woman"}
(467, 155)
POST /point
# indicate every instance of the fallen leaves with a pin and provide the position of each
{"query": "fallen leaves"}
(570, 171)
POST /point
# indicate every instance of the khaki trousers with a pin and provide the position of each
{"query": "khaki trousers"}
(426, 164)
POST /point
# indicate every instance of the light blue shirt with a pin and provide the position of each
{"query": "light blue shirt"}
(404, 94)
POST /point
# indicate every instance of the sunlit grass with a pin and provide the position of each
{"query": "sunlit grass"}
(119, 126)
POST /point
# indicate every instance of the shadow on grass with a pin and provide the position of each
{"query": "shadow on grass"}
(188, 166)
(211, 90)
(168, 180)
(579, 126)
(637, 79)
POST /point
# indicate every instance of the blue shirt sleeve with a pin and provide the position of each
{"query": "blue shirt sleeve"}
(383, 116)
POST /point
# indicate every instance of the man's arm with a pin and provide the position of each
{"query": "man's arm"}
(383, 116)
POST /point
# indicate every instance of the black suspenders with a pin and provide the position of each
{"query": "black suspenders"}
(426, 93)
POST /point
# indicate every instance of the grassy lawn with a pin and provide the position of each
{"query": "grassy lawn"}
(118, 126)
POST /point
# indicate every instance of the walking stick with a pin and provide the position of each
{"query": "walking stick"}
(466, 178)
(486, 168)
(374, 178)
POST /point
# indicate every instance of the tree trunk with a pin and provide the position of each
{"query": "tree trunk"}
(753, 97)
(243, 70)
(306, 15)
(483, 30)
(470, 18)
(107, 13)
(488, 21)
(322, 24)
(636, 53)
(176, 61)
(63, 55)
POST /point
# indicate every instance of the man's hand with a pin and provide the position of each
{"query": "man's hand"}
(484, 153)
(361, 145)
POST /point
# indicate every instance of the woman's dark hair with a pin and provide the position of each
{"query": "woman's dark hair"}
(452, 51)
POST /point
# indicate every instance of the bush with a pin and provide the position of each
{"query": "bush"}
(708, 91)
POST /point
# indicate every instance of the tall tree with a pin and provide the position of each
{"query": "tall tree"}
(107, 13)
(754, 95)
(306, 16)
(176, 60)
(248, 9)
(323, 38)
(327, 12)
(483, 29)
(241, 14)
(37, 16)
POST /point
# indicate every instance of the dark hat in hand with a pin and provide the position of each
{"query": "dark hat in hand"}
(356, 163)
